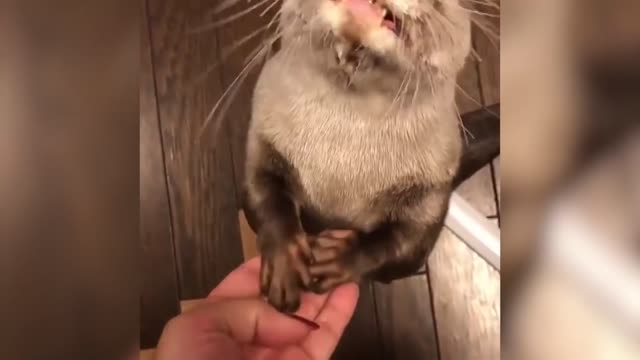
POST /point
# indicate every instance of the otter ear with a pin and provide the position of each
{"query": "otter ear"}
(483, 146)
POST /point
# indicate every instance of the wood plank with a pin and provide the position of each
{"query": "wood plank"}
(361, 338)
(468, 96)
(239, 113)
(200, 171)
(483, 123)
(488, 48)
(159, 301)
(466, 300)
(249, 238)
(478, 190)
(405, 319)
(466, 290)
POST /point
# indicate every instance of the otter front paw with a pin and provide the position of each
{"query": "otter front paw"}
(284, 270)
(335, 260)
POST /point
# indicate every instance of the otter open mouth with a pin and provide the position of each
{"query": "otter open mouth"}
(372, 13)
(390, 21)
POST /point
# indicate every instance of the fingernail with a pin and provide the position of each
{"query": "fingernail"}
(313, 325)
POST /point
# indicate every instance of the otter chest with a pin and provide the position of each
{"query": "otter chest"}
(345, 161)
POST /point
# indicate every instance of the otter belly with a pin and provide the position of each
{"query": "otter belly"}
(349, 149)
(345, 162)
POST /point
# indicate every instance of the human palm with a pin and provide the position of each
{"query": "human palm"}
(235, 323)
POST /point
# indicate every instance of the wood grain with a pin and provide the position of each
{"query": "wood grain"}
(478, 190)
(405, 319)
(199, 169)
(482, 124)
(487, 45)
(466, 290)
(249, 245)
(361, 339)
(468, 97)
(239, 113)
(466, 293)
(159, 299)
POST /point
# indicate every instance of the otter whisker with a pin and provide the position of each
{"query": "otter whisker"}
(475, 55)
(265, 11)
(488, 3)
(223, 6)
(229, 19)
(477, 102)
(355, 72)
(397, 96)
(465, 132)
(486, 29)
(266, 43)
(447, 25)
(481, 13)
(416, 90)
(233, 47)
(433, 90)
(230, 50)
(434, 34)
(233, 89)
(406, 88)
(403, 28)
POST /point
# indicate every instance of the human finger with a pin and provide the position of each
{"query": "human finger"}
(241, 282)
(251, 321)
(332, 319)
(311, 304)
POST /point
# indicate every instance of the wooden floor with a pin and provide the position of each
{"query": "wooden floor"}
(190, 229)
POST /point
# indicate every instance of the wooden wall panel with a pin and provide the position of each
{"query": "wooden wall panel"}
(199, 169)
(466, 290)
(406, 320)
(238, 41)
(487, 44)
(466, 295)
(468, 96)
(361, 339)
(159, 301)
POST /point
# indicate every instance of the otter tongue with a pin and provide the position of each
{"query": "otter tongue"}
(364, 12)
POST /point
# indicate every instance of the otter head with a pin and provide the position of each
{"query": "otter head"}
(381, 45)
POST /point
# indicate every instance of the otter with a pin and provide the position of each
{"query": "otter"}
(354, 142)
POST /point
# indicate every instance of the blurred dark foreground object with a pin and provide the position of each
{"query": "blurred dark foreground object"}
(68, 179)
(571, 144)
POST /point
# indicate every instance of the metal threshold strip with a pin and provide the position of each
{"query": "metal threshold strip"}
(473, 228)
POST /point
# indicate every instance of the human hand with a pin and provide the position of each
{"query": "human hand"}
(235, 323)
